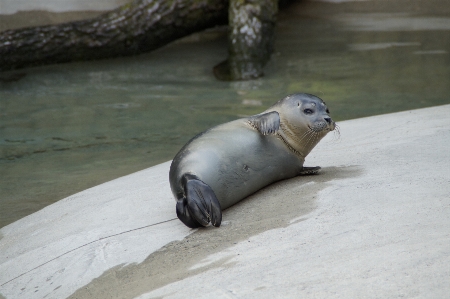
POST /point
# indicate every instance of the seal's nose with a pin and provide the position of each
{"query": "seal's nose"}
(327, 119)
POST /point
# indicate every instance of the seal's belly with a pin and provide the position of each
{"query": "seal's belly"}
(237, 163)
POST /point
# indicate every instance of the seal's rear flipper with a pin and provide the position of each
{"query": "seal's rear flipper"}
(184, 215)
(266, 123)
(200, 205)
(309, 170)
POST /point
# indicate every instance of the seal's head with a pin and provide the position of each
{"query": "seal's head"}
(304, 121)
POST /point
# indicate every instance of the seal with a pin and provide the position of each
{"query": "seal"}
(223, 165)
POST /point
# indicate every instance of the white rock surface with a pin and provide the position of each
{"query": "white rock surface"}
(380, 231)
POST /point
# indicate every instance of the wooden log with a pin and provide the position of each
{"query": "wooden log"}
(134, 28)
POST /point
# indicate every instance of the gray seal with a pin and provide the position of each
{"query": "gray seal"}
(225, 164)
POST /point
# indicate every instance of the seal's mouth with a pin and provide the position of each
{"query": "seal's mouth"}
(331, 126)
(325, 125)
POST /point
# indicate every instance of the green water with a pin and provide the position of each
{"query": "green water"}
(65, 128)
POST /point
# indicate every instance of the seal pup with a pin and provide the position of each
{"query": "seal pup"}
(223, 165)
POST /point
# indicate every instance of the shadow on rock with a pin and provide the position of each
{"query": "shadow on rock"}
(270, 208)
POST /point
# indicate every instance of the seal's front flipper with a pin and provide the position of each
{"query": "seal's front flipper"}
(200, 203)
(266, 123)
(309, 170)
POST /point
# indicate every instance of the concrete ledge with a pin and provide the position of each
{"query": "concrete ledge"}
(374, 223)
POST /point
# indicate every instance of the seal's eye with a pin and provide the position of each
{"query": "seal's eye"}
(308, 111)
(327, 111)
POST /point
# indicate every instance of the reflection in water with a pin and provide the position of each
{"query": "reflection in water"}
(393, 22)
(69, 127)
(378, 46)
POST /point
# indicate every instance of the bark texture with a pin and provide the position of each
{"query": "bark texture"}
(134, 28)
(250, 39)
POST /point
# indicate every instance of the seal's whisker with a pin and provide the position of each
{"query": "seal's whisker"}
(315, 137)
(304, 135)
(307, 134)
(302, 139)
(337, 132)
(312, 137)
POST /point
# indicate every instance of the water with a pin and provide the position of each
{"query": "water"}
(65, 128)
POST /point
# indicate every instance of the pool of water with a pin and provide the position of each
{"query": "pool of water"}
(68, 127)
